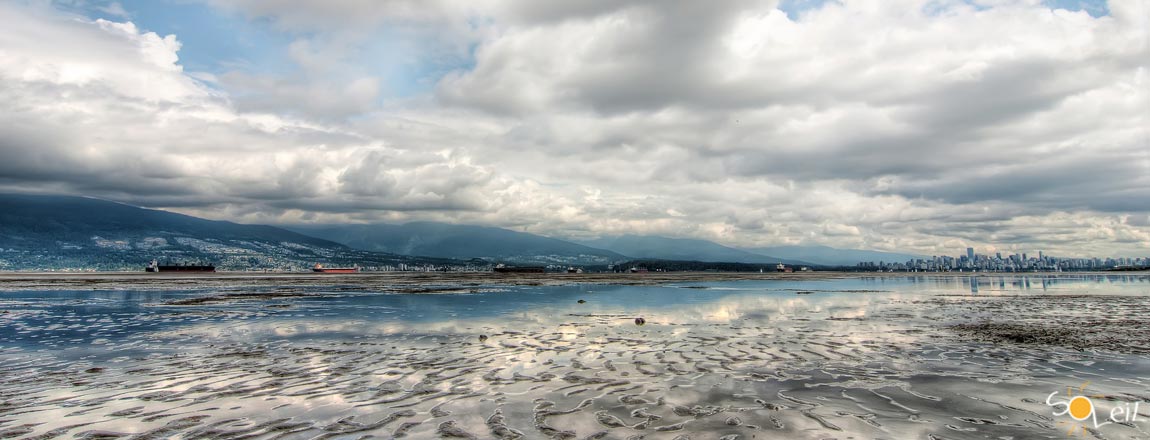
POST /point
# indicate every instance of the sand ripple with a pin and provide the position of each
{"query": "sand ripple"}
(899, 371)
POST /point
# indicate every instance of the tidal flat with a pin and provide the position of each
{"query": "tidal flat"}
(718, 356)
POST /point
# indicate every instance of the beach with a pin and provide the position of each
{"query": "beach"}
(563, 356)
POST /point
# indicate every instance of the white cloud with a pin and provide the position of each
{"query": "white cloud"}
(145, 68)
(876, 124)
(103, 108)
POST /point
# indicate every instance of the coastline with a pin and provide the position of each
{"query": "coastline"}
(389, 280)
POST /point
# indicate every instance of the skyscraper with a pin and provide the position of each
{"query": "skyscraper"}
(970, 253)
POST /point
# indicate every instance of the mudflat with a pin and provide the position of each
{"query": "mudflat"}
(564, 355)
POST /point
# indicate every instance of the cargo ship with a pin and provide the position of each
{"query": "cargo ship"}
(154, 266)
(320, 269)
(501, 268)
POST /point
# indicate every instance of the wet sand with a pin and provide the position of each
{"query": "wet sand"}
(803, 360)
(390, 282)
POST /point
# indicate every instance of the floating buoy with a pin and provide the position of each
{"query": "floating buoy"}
(640, 321)
(581, 301)
(482, 338)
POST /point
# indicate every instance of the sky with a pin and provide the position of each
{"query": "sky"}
(921, 126)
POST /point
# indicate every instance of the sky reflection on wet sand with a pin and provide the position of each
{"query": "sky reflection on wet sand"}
(863, 357)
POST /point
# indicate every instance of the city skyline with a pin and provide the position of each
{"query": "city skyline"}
(913, 126)
(1016, 262)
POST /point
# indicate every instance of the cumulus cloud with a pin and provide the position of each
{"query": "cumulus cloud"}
(101, 107)
(909, 125)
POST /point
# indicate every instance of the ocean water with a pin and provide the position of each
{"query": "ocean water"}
(843, 357)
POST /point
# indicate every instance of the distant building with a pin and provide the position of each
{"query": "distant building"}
(970, 253)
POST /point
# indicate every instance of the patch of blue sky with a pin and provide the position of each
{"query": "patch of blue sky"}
(1096, 8)
(795, 8)
(425, 76)
(407, 65)
(216, 42)
(428, 62)
(211, 41)
(941, 7)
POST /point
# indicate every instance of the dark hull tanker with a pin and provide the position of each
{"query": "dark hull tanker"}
(519, 269)
(156, 267)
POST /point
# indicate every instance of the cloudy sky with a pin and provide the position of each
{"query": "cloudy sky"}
(911, 125)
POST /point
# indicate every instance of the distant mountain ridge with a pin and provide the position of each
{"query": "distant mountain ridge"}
(829, 256)
(683, 249)
(446, 240)
(76, 218)
(39, 232)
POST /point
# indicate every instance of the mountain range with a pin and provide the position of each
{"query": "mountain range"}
(684, 249)
(461, 242)
(829, 256)
(39, 232)
(64, 232)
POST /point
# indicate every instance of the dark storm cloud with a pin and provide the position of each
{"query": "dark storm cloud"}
(1069, 182)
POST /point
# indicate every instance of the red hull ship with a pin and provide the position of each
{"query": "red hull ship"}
(320, 269)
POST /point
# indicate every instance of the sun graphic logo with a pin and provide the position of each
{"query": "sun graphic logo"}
(1084, 413)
